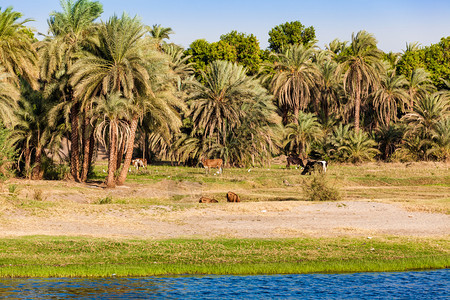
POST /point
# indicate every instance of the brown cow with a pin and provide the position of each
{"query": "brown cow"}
(212, 163)
(139, 163)
(294, 160)
(233, 197)
(207, 200)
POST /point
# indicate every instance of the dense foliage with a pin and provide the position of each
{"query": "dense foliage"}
(120, 84)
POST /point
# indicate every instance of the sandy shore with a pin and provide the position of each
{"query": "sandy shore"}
(286, 219)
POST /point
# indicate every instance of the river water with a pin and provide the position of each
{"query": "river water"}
(395, 285)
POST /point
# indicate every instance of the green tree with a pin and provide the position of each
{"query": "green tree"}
(419, 85)
(8, 152)
(440, 147)
(290, 33)
(361, 67)
(159, 33)
(17, 54)
(293, 79)
(201, 54)
(126, 62)
(435, 59)
(229, 106)
(113, 109)
(71, 31)
(359, 147)
(329, 90)
(247, 48)
(389, 138)
(301, 134)
(9, 94)
(390, 94)
(422, 122)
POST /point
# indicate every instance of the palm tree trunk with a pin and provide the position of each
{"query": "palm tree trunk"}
(126, 164)
(27, 155)
(36, 173)
(91, 148)
(75, 152)
(120, 156)
(86, 149)
(357, 111)
(112, 160)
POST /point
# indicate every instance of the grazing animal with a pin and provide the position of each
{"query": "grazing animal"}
(139, 163)
(312, 164)
(233, 197)
(212, 163)
(207, 200)
(294, 160)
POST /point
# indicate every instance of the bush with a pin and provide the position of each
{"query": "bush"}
(106, 200)
(318, 188)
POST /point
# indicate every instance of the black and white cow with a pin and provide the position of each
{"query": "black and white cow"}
(312, 164)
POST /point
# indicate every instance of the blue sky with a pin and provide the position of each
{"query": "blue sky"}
(394, 23)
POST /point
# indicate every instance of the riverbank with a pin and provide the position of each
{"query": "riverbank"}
(85, 257)
(154, 224)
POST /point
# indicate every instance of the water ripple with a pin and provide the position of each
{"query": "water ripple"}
(400, 285)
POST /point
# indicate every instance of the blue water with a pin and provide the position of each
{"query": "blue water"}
(401, 285)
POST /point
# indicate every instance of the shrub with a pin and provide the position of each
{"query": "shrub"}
(318, 188)
(106, 200)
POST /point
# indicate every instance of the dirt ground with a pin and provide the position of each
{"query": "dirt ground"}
(272, 219)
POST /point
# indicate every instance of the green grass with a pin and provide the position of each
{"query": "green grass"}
(76, 256)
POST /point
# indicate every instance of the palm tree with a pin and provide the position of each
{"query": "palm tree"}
(294, 77)
(17, 54)
(159, 33)
(329, 90)
(216, 105)
(389, 138)
(427, 112)
(361, 67)
(419, 84)
(9, 94)
(388, 96)
(422, 122)
(113, 108)
(33, 130)
(125, 61)
(414, 46)
(359, 147)
(441, 140)
(299, 135)
(71, 31)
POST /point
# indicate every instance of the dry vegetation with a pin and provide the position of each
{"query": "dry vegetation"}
(162, 202)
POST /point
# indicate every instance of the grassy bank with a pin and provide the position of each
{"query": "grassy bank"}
(76, 256)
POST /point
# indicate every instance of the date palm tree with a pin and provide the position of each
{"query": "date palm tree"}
(390, 94)
(159, 33)
(216, 105)
(361, 67)
(299, 135)
(359, 147)
(9, 94)
(17, 54)
(70, 32)
(113, 109)
(329, 90)
(293, 79)
(427, 112)
(125, 61)
(419, 84)
(441, 140)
